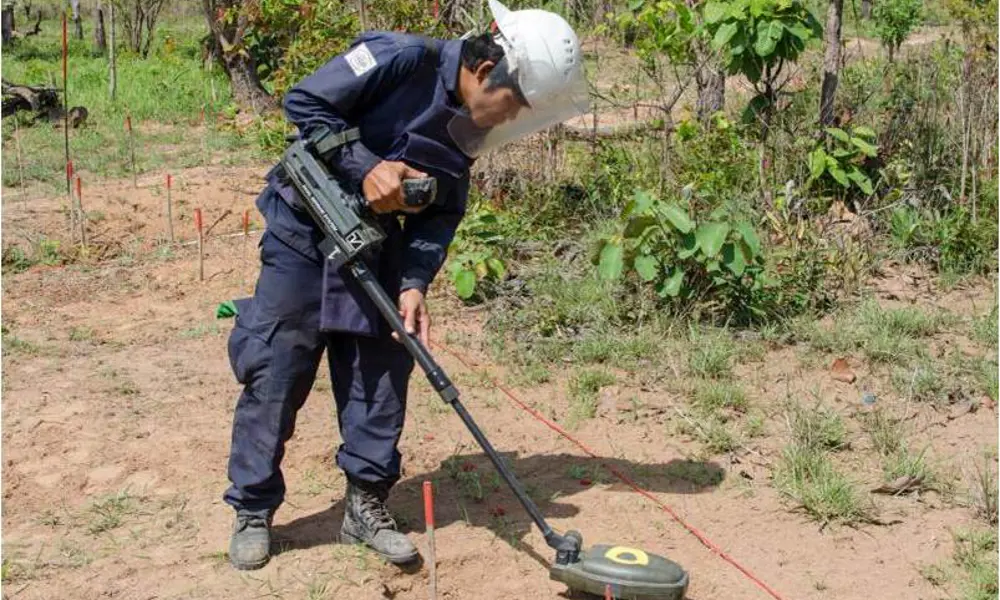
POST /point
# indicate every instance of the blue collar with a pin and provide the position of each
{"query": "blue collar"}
(448, 65)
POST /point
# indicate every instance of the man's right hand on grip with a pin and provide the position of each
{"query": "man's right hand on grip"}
(383, 187)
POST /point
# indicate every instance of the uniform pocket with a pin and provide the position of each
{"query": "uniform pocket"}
(250, 344)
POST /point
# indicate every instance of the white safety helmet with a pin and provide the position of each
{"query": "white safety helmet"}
(542, 57)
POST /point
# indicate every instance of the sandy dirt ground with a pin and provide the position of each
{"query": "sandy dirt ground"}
(118, 400)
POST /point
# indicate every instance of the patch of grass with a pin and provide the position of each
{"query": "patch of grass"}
(976, 557)
(885, 432)
(919, 381)
(81, 334)
(984, 491)
(904, 462)
(169, 87)
(710, 354)
(715, 434)
(710, 396)
(984, 329)
(201, 330)
(15, 345)
(583, 388)
(882, 335)
(110, 512)
(989, 378)
(806, 475)
(623, 351)
(817, 428)
(532, 374)
(696, 472)
(317, 590)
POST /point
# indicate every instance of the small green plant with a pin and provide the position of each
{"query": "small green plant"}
(919, 382)
(806, 475)
(583, 389)
(81, 334)
(474, 253)
(719, 257)
(976, 556)
(985, 492)
(110, 512)
(757, 39)
(894, 20)
(817, 428)
(15, 259)
(904, 463)
(842, 164)
(710, 355)
(712, 396)
(885, 432)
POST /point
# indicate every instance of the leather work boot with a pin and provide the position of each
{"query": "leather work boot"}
(250, 544)
(367, 521)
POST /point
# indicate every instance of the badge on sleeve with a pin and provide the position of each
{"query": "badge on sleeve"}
(360, 59)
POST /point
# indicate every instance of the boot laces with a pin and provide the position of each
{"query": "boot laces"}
(375, 511)
(245, 520)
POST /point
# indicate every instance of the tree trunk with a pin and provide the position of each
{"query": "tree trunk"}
(711, 81)
(831, 62)
(866, 9)
(240, 66)
(8, 23)
(77, 20)
(99, 41)
(112, 48)
(27, 9)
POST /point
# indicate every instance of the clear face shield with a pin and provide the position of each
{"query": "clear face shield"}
(548, 97)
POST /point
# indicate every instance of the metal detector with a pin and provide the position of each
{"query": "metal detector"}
(350, 233)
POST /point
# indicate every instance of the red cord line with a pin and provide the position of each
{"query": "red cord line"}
(621, 476)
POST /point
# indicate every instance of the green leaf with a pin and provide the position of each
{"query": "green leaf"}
(799, 31)
(671, 286)
(751, 67)
(640, 203)
(750, 237)
(678, 218)
(866, 148)
(862, 180)
(724, 34)
(711, 236)
(839, 134)
(465, 283)
(635, 5)
(496, 266)
(637, 226)
(817, 163)
(837, 172)
(689, 246)
(768, 35)
(863, 131)
(647, 267)
(757, 7)
(732, 257)
(610, 266)
(714, 12)
(751, 114)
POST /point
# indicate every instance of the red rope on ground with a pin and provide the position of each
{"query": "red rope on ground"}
(621, 476)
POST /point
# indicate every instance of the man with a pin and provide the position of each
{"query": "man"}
(421, 108)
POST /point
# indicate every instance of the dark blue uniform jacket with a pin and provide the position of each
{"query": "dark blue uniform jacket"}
(400, 90)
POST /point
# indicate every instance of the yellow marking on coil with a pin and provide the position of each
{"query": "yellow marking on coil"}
(638, 556)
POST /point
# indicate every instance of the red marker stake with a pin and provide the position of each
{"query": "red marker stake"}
(65, 74)
(170, 210)
(131, 148)
(607, 592)
(82, 214)
(246, 223)
(201, 244)
(429, 519)
(72, 202)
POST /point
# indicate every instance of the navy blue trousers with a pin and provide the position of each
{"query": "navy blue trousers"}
(275, 349)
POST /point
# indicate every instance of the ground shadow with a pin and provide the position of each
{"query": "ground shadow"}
(468, 488)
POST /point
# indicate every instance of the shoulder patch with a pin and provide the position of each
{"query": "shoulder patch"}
(360, 59)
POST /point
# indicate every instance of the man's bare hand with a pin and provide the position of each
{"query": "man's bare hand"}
(383, 186)
(413, 309)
